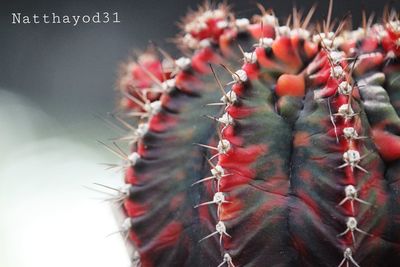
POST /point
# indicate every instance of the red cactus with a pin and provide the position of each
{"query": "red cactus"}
(297, 163)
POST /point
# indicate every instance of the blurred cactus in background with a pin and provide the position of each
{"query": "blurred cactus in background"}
(266, 144)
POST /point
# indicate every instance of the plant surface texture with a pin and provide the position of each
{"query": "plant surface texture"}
(268, 143)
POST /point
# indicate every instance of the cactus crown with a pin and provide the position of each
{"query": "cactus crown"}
(295, 161)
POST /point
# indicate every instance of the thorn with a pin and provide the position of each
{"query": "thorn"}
(211, 118)
(288, 20)
(217, 173)
(348, 256)
(168, 85)
(364, 22)
(345, 88)
(346, 112)
(218, 178)
(395, 80)
(125, 228)
(225, 119)
(308, 17)
(220, 229)
(352, 225)
(118, 153)
(110, 166)
(166, 54)
(351, 194)
(137, 114)
(150, 75)
(129, 160)
(123, 191)
(218, 81)
(206, 146)
(98, 191)
(134, 99)
(238, 77)
(242, 24)
(123, 122)
(352, 158)
(296, 18)
(183, 63)
(339, 28)
(337, 72)
(218, 199)
(150, 109)
(230, 98)
(136, 134)
(262, 9)
(351, 133)
(227, 260)
(203, 180)
(216, 104)
(143, 96)
(329, 16)
(119, 149)
(248, 57)
(110, 123)
(332, 120)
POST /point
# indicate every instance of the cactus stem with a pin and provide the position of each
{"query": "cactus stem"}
(267, 122)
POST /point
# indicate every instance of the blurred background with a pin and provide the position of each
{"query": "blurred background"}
(55, 82)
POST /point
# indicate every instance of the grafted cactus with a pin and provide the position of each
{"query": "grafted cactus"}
(265, 145)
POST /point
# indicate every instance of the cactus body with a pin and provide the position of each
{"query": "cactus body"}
(295, 164)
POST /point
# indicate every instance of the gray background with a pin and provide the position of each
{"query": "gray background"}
(53, 79)
(70, 71)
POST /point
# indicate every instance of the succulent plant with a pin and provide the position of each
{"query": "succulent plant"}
(266, 144)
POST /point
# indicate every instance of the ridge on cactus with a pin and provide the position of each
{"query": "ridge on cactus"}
(267, 144)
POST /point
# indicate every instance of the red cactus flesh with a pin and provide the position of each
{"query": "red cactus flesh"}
(285, 155)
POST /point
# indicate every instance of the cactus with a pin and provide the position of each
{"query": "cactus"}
(266, 145)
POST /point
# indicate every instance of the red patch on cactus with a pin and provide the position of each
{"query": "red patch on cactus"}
(387, 144)
(291, 85)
